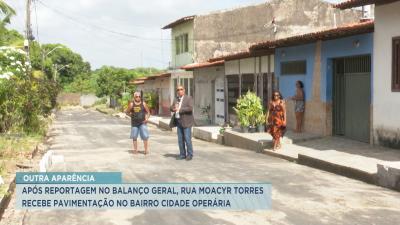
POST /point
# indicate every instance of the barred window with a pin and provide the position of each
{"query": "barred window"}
(247, 83)
(233, 91)
(294, 67)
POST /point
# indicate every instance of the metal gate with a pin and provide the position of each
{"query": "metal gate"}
(352, 97)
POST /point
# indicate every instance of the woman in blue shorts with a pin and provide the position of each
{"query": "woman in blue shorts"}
(139, 113)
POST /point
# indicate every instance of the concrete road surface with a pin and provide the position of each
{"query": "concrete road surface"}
(91, 141)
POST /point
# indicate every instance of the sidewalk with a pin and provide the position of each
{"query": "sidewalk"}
(259, 141)
(362, 161)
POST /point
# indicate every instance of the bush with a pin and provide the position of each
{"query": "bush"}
(124, 101)
(249, 110)
(151, 99)
(24, 100)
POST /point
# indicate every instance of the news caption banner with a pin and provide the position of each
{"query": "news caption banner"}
(105, 190)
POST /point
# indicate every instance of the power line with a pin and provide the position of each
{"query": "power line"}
(147, 38)
(86, 26)
(115, 22)
(99, 27)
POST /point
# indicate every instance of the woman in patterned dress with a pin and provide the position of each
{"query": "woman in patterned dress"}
(277, 119)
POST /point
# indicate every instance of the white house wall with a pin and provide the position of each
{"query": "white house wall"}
(386, 104)
(247, 66)
(205, 95)
(232, 67)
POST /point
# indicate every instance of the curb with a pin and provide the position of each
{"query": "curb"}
(154, 123)
(337, 169)
(281, 156)
(5, 200)
(237, 141)
(101, 111)
(202, 135)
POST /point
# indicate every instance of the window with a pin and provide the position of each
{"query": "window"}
(182, 44)
(233, 91)
(177, 45)
(186, 42)
(247, 83)
(396, 64)
(294, 67)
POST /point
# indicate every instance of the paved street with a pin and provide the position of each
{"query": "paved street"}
(91, 141)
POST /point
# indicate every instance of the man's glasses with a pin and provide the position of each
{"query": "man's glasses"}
(179, 89)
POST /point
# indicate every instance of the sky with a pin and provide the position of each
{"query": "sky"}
(121, 33)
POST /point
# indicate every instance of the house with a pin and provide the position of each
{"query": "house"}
(160, 85)
(247, 71)
(209, 106)
(386, 70)
(222, 33)
(335, 67)
(182, 48)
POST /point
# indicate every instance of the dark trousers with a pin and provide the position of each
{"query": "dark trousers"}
(185, 141)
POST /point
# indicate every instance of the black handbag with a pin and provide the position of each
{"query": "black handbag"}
(172, 122)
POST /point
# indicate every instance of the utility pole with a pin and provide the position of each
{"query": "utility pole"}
(28, 29)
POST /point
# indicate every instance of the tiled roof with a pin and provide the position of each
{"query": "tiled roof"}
(179, 21)
(202, 65)
(339, 32)
(242, 55)
(161, 75)
(141, 80)
(356, 3)
(137, 82)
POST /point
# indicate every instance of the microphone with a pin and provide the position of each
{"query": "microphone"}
(178, 99)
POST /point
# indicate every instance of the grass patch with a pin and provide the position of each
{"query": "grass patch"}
(16, 148)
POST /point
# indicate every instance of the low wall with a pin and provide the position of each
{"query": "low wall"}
(69, 99)
(88, 100)
(76, 99)
(387, 137)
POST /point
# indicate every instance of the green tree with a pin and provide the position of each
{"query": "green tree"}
(6, 12)
(59, 62)
(111, 81)
(10, 37)
(83, 83)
